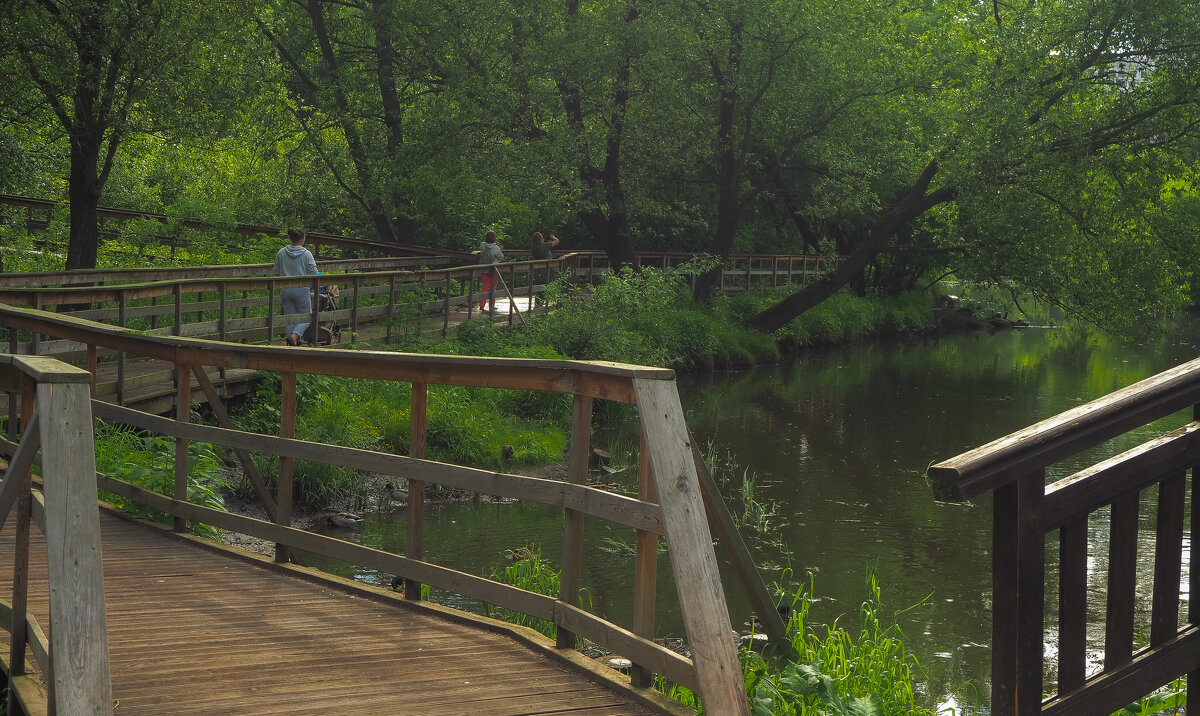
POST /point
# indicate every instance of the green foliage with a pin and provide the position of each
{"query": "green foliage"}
(833, 670)
(1171, 700)
(463, 425)
(149, 462)
(533, 574)
(644, 317)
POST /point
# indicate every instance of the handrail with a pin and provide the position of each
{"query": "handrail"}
(105, 212)
(55, 402)
(1003, 460)
(678, 512)
(91, 277)
(1025, 509)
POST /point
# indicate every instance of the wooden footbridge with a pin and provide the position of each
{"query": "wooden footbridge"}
(146, 617)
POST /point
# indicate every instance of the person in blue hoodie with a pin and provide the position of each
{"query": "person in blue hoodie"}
(295, 260)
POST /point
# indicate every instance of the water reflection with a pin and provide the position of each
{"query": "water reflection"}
(840, 441)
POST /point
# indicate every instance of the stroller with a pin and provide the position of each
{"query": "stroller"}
(328, 332)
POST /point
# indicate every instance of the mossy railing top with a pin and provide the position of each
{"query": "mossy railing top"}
(1138, 657)
(670, 501)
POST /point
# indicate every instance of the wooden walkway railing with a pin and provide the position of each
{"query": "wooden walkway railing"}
(1012, 470)
(671, 502)
(56, 412)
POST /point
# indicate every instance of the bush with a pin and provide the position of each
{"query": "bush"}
(148, 461)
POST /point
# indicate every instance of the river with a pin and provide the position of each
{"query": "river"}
(838, 443)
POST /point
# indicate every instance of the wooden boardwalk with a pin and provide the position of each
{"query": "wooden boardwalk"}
(193, 630)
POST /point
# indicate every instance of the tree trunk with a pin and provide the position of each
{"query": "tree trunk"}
(729, 204)
(346, 118)
(912, 205)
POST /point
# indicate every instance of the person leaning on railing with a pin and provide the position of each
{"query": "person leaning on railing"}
(539, 250)
(295, 260)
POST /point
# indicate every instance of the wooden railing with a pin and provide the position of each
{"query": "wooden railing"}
(1013, 470)
(237, 307)
(670, 502)
(55, 410)
(40, 212)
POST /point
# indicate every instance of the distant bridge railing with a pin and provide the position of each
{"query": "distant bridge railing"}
(670, 502)
(40, 212)
(55, 411)
(1025, 510)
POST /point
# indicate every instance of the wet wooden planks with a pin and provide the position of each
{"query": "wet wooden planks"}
(193, 631)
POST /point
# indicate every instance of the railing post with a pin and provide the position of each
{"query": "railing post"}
(93, 365)
(1193, 609)
(19, 636)
(416, 488)
(177, 290)
(702, 600)
(122, 316)
(221, 288)
(512, 272)
(221, 332)
(391, 309)
(270, 311)
(79, 635)
(1004, 600)
(446, 308)
(287, 429)
(470, 292)
(1122, 581)
(1168, 538)
(315, 302)
(35, 341)
(1072, 605)
(572, 559)
(1018, 593)
(183, 410)
(354, 306)
(1031, 624)
(645, 571)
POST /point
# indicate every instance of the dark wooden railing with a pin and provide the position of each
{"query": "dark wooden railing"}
(1013, 470)
(55, 411)
(670, 502)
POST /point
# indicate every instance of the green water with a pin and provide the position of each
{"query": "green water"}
(839, 442)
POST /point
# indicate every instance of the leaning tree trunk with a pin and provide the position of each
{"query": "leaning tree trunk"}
(915, 203)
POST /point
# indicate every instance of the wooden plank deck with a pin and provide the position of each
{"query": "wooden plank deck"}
(192, 630)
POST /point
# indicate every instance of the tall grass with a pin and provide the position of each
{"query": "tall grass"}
(148, 461)
(830, 670)
(463, 425)
(533, 574)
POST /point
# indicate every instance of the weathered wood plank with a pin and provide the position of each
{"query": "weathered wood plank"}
(606, 505)
(1091, 488)
(79, 642)
(983, 469)
(253, 649)
(705, 613)
(1168, 558)
(1072, 605)
(1122, 582)
(573, 520)
(1115, 688)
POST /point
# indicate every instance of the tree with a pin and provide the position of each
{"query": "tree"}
(1030, 100)
(99, 67)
